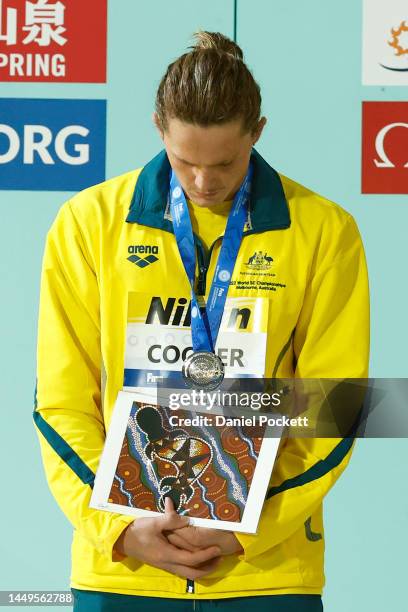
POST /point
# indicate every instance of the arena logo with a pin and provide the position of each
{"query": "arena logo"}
(52, 144)
(45, 40)
(385, 147)
(150, 252)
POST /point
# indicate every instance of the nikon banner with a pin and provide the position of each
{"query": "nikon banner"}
(158, 338)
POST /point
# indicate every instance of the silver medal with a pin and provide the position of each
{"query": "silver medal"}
(204, 370)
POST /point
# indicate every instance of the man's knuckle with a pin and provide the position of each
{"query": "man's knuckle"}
(189, 558)
(200, 558)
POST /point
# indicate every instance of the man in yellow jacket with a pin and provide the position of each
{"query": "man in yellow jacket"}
(299, 252)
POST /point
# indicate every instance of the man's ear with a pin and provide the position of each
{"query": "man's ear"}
(156, 121)
(259, 129)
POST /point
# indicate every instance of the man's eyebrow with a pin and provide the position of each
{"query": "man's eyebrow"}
(225, 161)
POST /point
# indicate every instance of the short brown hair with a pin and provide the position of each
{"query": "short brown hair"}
(209, 85)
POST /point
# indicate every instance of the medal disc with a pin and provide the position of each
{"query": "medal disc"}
(203, 369)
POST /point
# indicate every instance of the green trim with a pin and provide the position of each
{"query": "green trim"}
(318, 470)
(149, 200)
(282, 354)
(268, 206)
(63, 449)
(312, 536)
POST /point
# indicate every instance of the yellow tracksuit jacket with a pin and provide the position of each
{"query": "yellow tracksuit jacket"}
(318, 326)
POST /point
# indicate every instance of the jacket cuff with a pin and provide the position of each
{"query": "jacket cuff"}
(118, 525)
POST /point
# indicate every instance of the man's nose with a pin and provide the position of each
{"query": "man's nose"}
(204, 179)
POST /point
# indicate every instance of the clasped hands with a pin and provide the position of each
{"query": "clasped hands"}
(171, 543)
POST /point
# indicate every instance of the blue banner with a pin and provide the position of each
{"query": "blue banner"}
(52, 145)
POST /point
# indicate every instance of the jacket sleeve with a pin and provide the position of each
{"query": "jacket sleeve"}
(331, 340)
(68, 414)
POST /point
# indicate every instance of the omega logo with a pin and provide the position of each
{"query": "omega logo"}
(384, 161)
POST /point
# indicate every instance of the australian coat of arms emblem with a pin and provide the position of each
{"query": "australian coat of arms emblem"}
(259, 261)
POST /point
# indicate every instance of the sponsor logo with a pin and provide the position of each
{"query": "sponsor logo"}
(149, 250)
(385, 147)
(385, 42)
(259, 261)
(45, 40)
(224, 276)
(384, 161)
(52, 144)
(399, 43)
(153, 378)
(178, 312)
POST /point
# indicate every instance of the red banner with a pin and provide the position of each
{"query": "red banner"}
(385, 147)
(53, 40)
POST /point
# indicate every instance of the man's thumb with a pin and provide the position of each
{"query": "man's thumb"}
(168, 504)
(172, 520)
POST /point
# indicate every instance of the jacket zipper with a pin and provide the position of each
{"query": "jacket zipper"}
(203, 261)
(201, 282)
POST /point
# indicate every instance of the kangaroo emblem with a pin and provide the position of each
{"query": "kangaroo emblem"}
(259, 261)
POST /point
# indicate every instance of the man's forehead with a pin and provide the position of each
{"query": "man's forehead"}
(210, 146)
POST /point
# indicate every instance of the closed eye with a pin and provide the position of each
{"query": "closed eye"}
(221, 165)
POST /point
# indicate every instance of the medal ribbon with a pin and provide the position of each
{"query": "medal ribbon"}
(205, 323)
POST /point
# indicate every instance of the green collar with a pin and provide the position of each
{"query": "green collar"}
(268, 207)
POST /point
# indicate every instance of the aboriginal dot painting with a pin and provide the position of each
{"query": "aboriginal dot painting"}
(206, 470)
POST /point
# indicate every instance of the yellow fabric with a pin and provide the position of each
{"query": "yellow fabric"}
(209, 222)
(319, 312)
